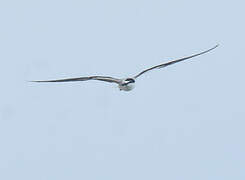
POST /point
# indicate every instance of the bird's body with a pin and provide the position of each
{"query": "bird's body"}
(126, 84)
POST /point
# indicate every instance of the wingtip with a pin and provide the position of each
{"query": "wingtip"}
(213, 47)
(35, 81)
(217, 45)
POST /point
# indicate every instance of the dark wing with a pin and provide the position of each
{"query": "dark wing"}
(174, 61)
(100, 78)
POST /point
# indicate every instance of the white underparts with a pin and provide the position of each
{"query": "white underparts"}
(126, 87)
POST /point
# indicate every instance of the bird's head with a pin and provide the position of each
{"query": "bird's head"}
(129, 80)
(127, 84)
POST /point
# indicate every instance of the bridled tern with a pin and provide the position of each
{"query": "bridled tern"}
(126, 84)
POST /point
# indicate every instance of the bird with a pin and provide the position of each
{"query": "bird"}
(126, 84)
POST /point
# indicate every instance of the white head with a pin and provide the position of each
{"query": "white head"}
(127, 84)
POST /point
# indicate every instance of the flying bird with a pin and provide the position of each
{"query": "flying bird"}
(127, 84)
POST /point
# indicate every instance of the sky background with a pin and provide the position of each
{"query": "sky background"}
(182, 122)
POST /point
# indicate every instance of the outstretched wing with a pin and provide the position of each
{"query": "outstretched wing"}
(174, 61)
(100, 78)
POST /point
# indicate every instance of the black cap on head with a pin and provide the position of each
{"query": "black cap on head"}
(130, 80)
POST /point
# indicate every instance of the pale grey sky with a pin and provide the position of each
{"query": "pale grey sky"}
(183, 122)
